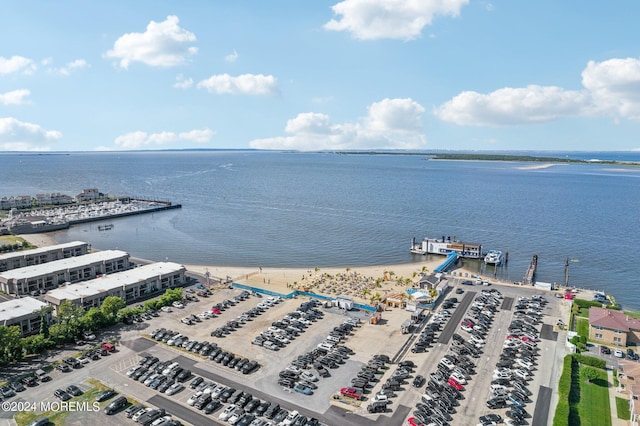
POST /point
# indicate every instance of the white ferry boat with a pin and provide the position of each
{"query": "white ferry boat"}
(493, 257)
(446, 245)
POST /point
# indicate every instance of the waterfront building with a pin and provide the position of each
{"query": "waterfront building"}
(17, 202)
(131, 285)
(23, 312)
(613, 327)
(41, 278)
(20, 259)
(53, 199)
(90, 194)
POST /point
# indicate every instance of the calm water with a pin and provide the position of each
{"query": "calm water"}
(294, 209)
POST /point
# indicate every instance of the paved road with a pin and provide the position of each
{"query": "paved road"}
(541, 412)
(453, 322)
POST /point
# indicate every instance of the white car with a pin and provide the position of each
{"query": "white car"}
(133, 370)
(290, 418)
(166, 309)
(236, 416)
(306, 375)
(140, 413)
(192, 400)
(88, 335)
(177, 305)
(83, 360)
(511, 344)
(446, 363)
(525, 364)
(294, 369)
(174, 388)
(466, 328)
(523, 374)
(459, 378)
(161, 421)
(618, 353)
(476, 339)
(226, 413)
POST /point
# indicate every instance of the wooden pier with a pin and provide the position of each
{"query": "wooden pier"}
(531, 271)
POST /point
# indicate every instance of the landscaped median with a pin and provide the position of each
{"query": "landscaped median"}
(583, 393)
(84, 402)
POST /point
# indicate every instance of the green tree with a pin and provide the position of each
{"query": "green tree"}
(589, 373)
(45, 314)
(70, 314)
(10, 348)
(110, 307)
(36, 344)
(128, 312)
(60, 333)
(93, 319)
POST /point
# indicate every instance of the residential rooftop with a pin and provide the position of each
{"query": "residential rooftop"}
(612, 319)
(62, 264)
(18, 308)
(40, 250)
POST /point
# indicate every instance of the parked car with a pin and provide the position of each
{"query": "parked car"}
(103, 396)
(116, 405)
(618, 353)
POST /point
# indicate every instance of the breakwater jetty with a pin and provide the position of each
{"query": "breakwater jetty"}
(529, 276)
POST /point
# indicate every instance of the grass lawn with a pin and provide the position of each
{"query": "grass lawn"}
(593, 407)
(27, 417)
(12, 239)
(633, 314)
(623, 408)
(582, 327)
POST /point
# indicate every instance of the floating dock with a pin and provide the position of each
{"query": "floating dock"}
(446, 245)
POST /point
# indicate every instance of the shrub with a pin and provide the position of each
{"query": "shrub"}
(591, 361)
(561, 417)
(581, 303)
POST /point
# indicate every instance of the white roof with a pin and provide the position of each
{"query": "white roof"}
(19, 307)
(39, 250)
(116, 280)
(44, 269)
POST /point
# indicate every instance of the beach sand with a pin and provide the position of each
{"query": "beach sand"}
(361, 283)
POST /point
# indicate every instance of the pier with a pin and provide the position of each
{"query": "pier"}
(531, 271)
(451, 259)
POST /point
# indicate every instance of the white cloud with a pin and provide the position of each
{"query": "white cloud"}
(17, 64)
(18, 135)
(394, 19)
(182, 83)
(68, 68)
(389, 124)
(163, 44)
(232, 57)
(509, 106)
(140, 140)
(247, 84)
(615, 86)
(15, 97)
(611, 88)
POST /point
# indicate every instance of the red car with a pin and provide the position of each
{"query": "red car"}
(351, 393)
(414, 422)
(216, 310)
(527, 339)
(108, 347)
(512, 337)
(455, 384)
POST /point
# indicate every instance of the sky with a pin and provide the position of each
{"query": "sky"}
(319, 75)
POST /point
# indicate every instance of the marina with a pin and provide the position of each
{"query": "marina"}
(62, 217)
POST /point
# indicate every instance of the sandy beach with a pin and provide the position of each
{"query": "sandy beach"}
(364, 284)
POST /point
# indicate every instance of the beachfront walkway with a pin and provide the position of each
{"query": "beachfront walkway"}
(613, 392)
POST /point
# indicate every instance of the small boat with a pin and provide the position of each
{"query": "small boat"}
(105, 227)
(493, 257)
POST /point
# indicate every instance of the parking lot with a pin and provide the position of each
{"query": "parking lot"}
(366, 341)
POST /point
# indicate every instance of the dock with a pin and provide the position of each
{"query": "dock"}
(529, 276)
(452, 258)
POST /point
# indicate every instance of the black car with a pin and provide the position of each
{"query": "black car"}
(272, 411)
(262, 408)
(103, 396)
(497, 403)
(195, 382)
(252, 405)
(129, 412)
(224, 397)
(418, 381)
(490, 419)
(212, 406)
(62, 395)
(150, 416)
(29, 381)
(17, 386)
(74, 390)
(116, 405)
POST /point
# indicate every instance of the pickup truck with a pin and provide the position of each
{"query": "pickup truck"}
(351, 393)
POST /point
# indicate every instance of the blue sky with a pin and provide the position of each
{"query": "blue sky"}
(356, 74)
